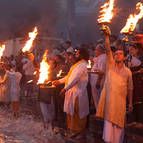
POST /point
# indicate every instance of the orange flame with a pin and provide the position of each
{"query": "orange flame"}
(59, 74)
(106, 12)
(133, 19)
(32, 36)
(2, 48)
(89, 64)
(44, 69)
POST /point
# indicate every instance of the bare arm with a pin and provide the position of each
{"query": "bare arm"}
(130, 92)
(5, 77)
(108, 49)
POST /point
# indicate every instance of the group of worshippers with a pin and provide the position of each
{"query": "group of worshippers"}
(113, 80)
(111, 83)
(11, 73)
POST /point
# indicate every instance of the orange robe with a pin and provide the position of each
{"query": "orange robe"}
(112, 104)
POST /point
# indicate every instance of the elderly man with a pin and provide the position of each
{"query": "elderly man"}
(97, 78)
(112, 105)
(76, 103)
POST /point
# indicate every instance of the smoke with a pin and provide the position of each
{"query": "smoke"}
(18, 17)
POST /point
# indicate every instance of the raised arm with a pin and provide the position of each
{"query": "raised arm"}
(108, 49)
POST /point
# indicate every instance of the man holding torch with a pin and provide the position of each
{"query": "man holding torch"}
(118, 84)
(112, 104)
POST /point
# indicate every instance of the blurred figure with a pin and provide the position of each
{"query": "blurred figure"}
(132, 58)
(69, 47)
(59, 63)
(5, 84)
(69, 61)
(97, 78)
(113, 40)
(76, 104)
(28, 69)
(48, 109)
(15, 78)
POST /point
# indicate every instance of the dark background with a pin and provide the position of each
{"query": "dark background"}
(18, 17)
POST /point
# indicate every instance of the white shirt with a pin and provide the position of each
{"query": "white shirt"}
(15, 87)
(99, 64)
(28, 66)
(135, 62)
(70, 49)
(77, 87)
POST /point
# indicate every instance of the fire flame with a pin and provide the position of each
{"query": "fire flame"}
(89, 64)
(133, 19)
(32, 36)
(2, 48)
(59, 74)
(44, 69)
(30, 81)
(106, 12)
(35, 73)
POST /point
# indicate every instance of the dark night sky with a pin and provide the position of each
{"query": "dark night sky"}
(17, 17)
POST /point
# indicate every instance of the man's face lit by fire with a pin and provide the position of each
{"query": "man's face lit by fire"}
(77, 54)
(119, 56)
(133, 51)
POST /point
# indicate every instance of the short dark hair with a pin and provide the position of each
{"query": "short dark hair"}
(68, 42)
(84, 53)
(69, 53)
(60, 57)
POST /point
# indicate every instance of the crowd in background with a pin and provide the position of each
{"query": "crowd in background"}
(16, 72)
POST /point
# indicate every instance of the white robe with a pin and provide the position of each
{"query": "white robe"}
(99, 64)
(15, 88)
(112, 133)
(28, 66)
(77, 87)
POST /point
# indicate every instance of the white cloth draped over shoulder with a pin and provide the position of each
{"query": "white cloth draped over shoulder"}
(77, 87)
(15, 78)
(28, 66)
(100, 65)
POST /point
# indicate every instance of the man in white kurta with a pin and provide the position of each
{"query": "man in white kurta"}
(112, 104)
(76, 103)
(97, 79)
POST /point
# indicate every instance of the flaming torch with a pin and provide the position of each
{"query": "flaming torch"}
(46, 89)
(2, 48)
(44, 69)
(89, 64)
(106, 14)
(59, 74)
(32, 36)
(133, 20)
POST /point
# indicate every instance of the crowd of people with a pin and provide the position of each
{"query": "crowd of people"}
(115, 78)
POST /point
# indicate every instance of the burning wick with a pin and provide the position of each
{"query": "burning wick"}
(32, 36)
(30, 81)
(106, 12)
(2, 48)
(89, 64)
(35, 73)
(133, 20)
(44, 69)
(59, 74)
